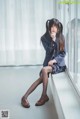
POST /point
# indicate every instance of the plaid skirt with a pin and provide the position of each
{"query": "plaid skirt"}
(57, 69)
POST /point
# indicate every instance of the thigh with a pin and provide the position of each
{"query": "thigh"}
(48, 69)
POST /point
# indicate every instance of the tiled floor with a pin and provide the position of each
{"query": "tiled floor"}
(13, 84)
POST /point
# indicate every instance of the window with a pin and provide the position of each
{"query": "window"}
(69, 15)
(78, 47)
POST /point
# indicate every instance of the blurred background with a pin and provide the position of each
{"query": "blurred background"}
(23, 22)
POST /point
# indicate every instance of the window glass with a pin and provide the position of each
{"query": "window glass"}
(78, 46)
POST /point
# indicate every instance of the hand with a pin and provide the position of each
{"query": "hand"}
(53, 35)
(51, 62)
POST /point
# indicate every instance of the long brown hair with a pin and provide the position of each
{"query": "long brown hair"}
(61, 42)
(61, 38)
(59, 34)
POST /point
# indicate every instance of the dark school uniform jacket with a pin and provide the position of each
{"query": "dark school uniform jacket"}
(51, 46)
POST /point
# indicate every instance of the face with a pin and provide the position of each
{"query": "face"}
(54, 29)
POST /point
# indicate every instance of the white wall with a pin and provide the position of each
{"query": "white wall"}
(22, 22)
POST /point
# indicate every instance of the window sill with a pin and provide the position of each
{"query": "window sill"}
(64, 96)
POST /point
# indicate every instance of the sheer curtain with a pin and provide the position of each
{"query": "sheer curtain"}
(22, 22)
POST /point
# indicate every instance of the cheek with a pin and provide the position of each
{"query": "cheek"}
(56, 30)
(52, 29)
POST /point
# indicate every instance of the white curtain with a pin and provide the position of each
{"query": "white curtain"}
(22, 23)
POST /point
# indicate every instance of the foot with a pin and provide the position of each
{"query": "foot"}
(25, 103)
(42, 101)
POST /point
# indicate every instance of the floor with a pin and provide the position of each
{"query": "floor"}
(13, 84)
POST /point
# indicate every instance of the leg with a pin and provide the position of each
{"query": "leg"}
(24, 100)
(45, 71)
(33, 87)
(44, 98)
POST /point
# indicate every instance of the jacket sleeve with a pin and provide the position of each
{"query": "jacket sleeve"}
(60, 56)
(47, 46)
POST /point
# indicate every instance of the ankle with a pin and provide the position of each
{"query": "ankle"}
(43, 95)
(24, 97)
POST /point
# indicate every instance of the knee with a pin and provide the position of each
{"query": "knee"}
(44, 70)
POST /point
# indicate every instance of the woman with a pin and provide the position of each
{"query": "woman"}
(54, 44)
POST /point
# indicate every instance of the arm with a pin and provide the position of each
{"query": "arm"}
(48, 47)
(60, 56)
(57, 59)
